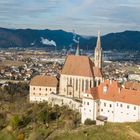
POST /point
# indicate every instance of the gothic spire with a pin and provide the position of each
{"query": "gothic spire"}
(78, 48)
(98, 44)
(98, 52)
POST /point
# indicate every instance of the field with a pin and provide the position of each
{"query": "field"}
(11, 63)
(133, 69)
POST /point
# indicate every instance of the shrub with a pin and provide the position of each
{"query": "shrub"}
(2, 121)
(20, 136)
(15, 120)
(43, 116)
(89, 122)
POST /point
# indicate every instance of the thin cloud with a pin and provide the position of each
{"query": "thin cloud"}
(85, 16)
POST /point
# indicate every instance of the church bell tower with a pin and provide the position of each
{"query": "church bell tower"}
(98, 53)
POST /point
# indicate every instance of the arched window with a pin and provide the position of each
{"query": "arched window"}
(70, 81)
(95, 83)
(76, 84)
(90, 83)
(87, 84)
(82, 85)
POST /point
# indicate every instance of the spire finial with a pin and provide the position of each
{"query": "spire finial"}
(98, 45)
(99, 33)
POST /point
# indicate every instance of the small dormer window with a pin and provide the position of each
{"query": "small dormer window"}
(105, 89)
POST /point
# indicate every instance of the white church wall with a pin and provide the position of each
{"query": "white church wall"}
(77, 85)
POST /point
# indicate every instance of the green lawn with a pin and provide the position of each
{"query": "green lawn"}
(5, 135)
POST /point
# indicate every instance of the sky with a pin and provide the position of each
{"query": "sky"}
(86, 17)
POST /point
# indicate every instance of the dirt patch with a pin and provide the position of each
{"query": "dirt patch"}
(133, 133)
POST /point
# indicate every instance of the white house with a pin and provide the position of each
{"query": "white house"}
(111, 101)
(41, 87)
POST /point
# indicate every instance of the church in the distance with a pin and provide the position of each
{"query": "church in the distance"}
(80, 73)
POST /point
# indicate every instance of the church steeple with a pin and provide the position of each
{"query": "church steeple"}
(78, 47)
(98, 44)
(98, 53)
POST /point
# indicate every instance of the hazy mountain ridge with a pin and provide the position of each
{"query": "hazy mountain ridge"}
(127, 40)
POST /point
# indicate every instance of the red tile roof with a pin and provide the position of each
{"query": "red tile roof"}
(97, 72)
(132, 85)
(47, 81)
(115, 93)
(79, 66)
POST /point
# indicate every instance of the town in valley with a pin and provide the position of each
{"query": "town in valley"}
(99, 86)
(69, 70)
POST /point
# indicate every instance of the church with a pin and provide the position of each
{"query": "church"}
(81, 78)
(81, 73)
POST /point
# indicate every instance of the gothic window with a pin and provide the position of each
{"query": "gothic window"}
(76, 84)
(90, 83)
(82, 85)
(94, 83)
(86, 84)
(70, 81)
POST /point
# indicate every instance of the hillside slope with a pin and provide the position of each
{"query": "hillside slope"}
(25, 38)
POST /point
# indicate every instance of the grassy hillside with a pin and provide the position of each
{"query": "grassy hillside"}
(116, 131)
(21, 120)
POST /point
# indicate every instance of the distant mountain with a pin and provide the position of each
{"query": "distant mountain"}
(27, 38)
